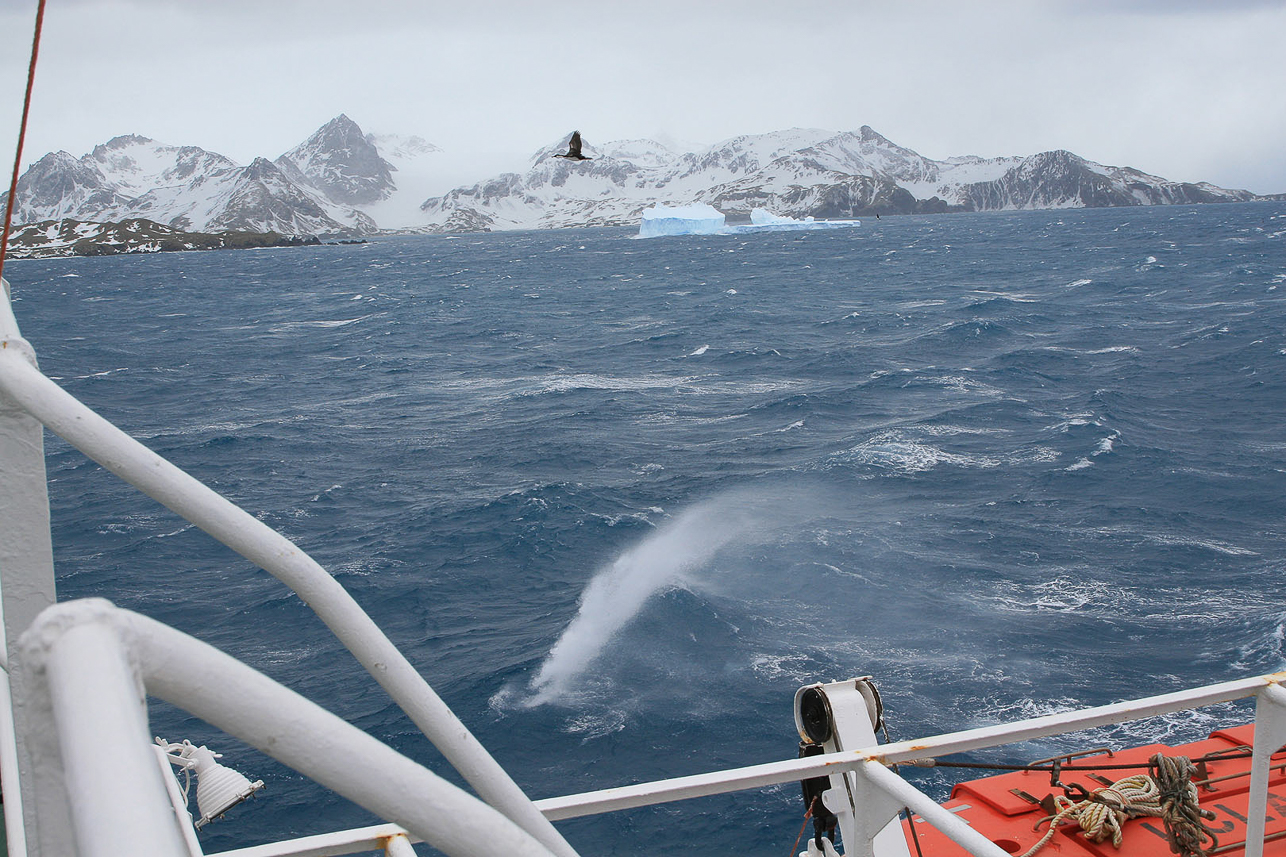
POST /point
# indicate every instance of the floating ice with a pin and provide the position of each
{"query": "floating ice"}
(684, 220)
(764, 217)
(762, 220)
(703, 219)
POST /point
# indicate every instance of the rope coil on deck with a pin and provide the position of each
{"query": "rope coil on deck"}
(1166, 792)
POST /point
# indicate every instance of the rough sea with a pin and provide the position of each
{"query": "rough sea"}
(617, 499)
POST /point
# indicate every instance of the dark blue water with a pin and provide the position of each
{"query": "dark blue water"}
(1004, 463)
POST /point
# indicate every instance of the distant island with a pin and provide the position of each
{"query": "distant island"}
(51, 239)
(343, 183)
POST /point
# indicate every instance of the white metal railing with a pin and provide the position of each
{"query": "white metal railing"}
(871, 764)
(79, 721)
(94, 655)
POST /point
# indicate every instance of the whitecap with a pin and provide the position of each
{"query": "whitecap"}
(1207, 544)
(702, 350)
(951, 431)
(1016, 297)
(586, 381)
(102, 374)
(318, 496)
(908, 456)
(788, 669)
(1272, 643)
(597, 725)
(962, 384)
(291, 325)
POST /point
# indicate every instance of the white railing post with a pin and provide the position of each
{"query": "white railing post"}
(1270, 736)
(26, 549)
(26, 578)
(120, 804)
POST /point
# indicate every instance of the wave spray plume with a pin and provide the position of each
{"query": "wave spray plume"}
(618, 591)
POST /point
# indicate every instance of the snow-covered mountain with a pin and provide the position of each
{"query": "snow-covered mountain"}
(342, 163)
(342, 182)
(798, 173)
(324, 186)
(185, 187)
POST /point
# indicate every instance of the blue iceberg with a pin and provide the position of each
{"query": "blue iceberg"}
(701, 219)
(697, 219)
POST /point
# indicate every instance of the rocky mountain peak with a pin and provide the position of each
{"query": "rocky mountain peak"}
(343, 163)
(124, 141)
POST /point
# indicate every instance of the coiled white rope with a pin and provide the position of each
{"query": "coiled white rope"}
(1101, 817)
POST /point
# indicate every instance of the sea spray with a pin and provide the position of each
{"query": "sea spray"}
(619, 590)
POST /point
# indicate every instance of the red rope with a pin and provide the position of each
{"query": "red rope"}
(800, 835)
(22, 134)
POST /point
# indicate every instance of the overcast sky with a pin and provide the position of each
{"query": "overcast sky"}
(1191, 90)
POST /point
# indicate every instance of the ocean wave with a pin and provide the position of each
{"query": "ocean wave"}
(1012, 297)
(1113, 349)
(284, 326)
(905, 452)
(1205, 544)
(1061, 594)
(906, 456)
(553, 384)
(1266, 649)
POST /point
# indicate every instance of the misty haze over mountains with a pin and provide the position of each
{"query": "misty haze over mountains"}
(343, 182)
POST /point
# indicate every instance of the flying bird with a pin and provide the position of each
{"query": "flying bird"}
(573, 149)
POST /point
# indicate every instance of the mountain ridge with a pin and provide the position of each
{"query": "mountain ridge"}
(342, 182)
(796, 173)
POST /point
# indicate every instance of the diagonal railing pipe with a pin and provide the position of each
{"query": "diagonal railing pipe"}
(91, 659)
(161, 480)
